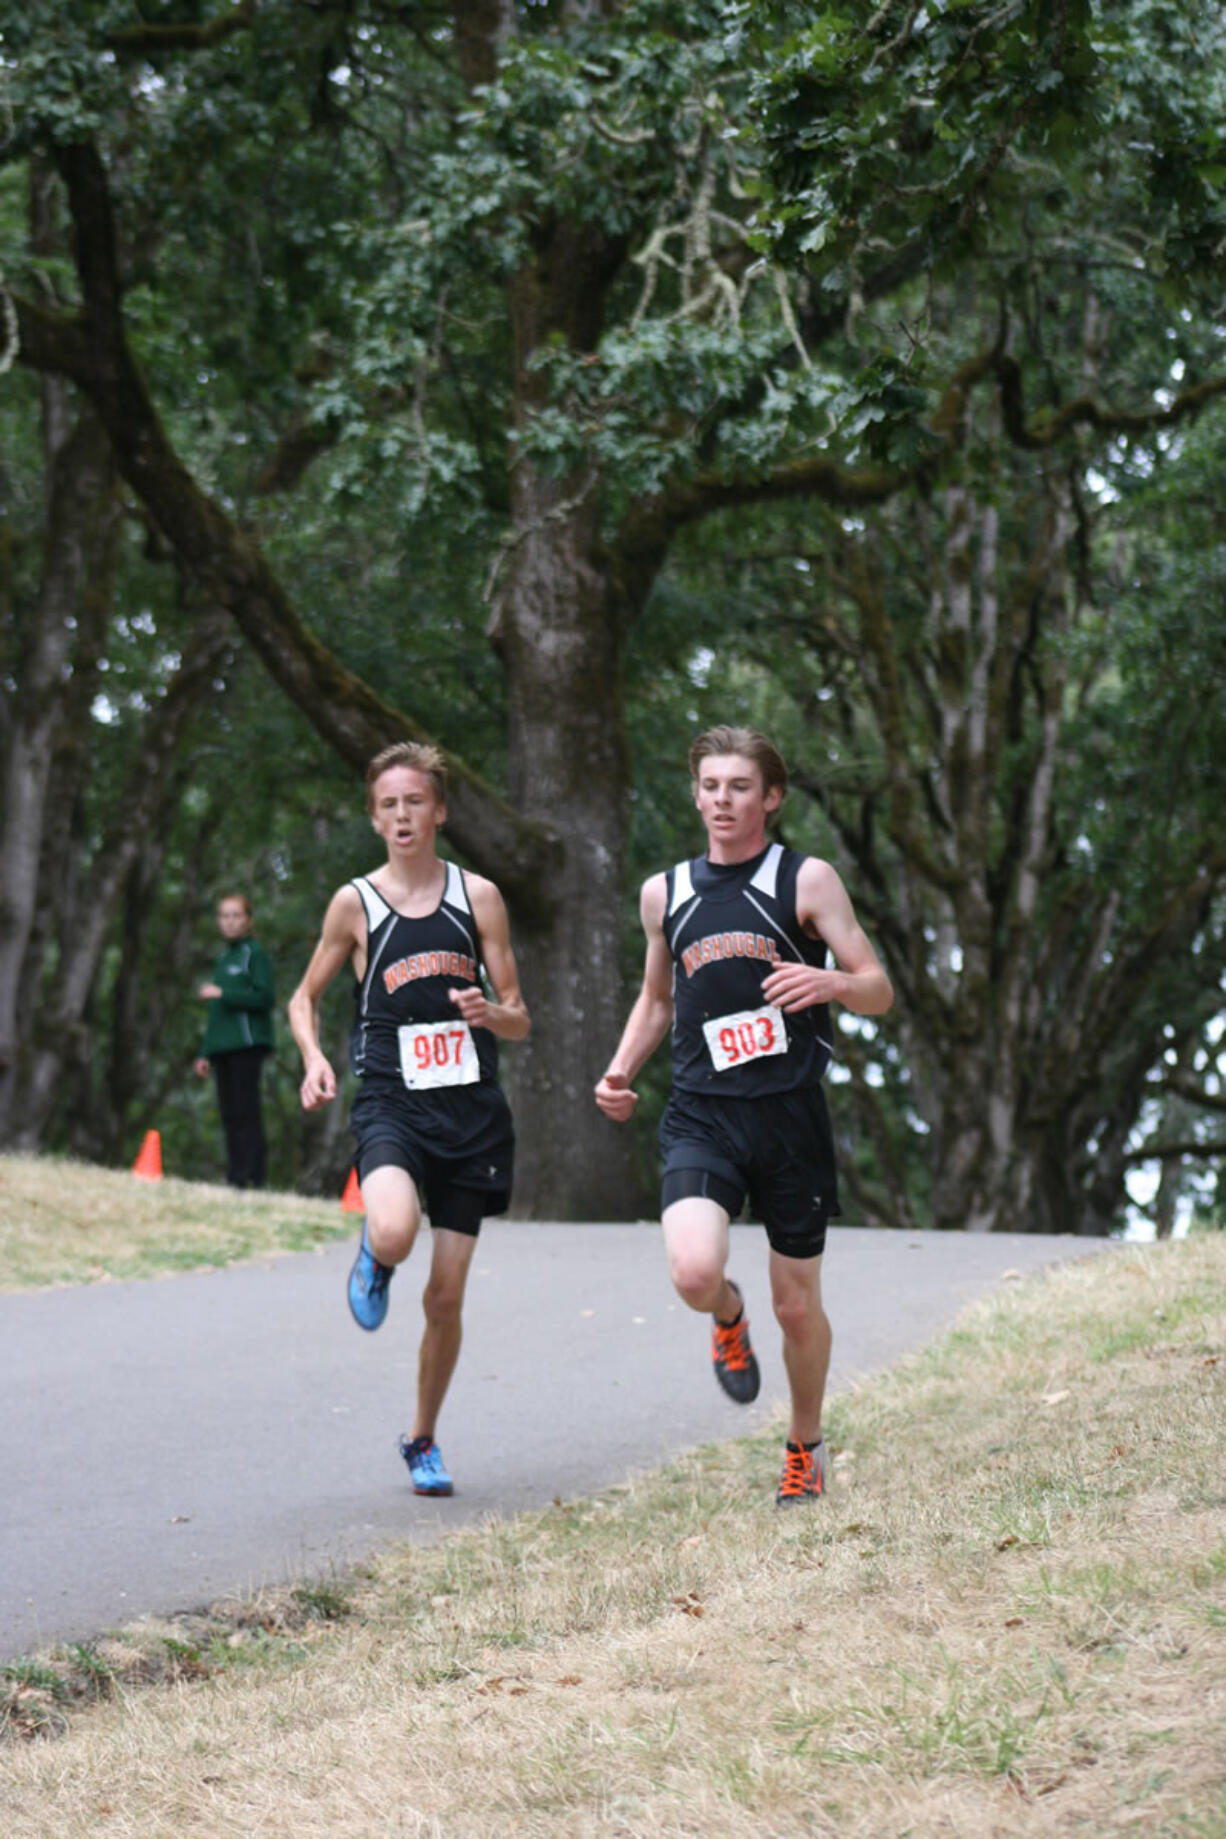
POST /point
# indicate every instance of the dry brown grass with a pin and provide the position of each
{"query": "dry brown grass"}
(67, 1222)
(1008, 1618)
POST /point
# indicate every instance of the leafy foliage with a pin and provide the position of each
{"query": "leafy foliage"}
(651, 309)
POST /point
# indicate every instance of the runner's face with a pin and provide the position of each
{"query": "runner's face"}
(407, 811)
(233, 920)
(734, 806)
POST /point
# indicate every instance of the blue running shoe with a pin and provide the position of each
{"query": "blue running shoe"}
(425, 1460)
(368, 1286)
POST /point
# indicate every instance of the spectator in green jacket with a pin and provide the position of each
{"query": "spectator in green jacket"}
(237, 1036)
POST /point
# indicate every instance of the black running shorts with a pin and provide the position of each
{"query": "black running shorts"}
(776, 1152)
(459, 1152)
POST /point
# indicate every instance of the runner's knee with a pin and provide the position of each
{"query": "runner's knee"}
(391, 1241)
(393, 1214)
(697, 1274)
(442, 1300)
(798, 1312)
(696, 1238)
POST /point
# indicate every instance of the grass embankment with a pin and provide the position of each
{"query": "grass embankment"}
(1007, 1618)
(69, 1223)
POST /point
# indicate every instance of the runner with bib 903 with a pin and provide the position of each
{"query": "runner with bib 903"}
(736, 966)
(435, 984)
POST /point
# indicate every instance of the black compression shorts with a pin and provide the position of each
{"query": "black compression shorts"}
(777, 1152)
(458, 1188)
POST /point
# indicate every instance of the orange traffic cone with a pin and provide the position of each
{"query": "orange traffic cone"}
(148, 1164)
(351, 1199)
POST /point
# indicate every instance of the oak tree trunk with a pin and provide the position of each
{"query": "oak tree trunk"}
(569, 771)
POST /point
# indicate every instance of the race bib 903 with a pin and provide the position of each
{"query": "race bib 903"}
(438, 1054)
(750, 1034)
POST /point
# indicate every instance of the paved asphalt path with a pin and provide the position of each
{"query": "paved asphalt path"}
(167, 1443)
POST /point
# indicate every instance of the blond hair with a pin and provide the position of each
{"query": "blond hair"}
(419, 756)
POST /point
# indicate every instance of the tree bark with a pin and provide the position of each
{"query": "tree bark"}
(569, 770)
(559, 626)
(83, 515)
(60, 1036)
(1018, 1005)
(128, 1097)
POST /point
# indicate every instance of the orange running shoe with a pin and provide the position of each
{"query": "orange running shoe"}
(735, 1363)
(804, 1474)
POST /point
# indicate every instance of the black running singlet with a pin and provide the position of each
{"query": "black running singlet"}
(727, 926)
(405, 1025)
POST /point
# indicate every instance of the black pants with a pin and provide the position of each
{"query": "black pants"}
(238, 1097)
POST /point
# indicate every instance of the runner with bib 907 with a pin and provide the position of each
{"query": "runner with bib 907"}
(737, 944)
(432, 1125)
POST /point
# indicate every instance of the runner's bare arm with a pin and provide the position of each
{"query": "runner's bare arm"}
(343, 936)
(508, 1016)
(824, 909)
(652, 1014)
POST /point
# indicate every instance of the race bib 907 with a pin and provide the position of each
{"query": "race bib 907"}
(438, 1054)
(750, 1034)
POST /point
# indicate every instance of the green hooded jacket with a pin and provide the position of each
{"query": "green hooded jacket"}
(242, 1015)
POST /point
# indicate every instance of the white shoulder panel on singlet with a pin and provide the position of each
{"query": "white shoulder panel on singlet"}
(766, 877)
(683, 886)
(376, 907)
(455, 893)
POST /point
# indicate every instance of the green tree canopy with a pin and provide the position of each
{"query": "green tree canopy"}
(496, 303)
